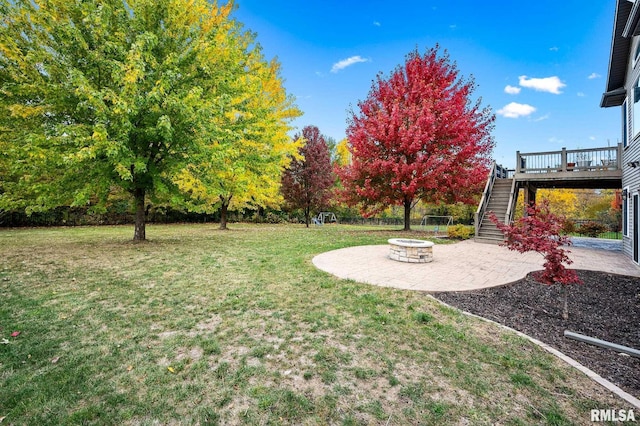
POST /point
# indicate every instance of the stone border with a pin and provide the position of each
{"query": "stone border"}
(572, 362)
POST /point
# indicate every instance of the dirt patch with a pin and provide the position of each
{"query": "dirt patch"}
(606, 306)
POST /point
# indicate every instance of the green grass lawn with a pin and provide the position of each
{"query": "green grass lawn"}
(201, 326)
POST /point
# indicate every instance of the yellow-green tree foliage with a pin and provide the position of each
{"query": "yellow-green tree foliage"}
(562, 202)
(242, 168)
(574, 203)
(101, 97)
(343, 154)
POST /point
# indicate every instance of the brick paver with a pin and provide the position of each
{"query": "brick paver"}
(466, 265)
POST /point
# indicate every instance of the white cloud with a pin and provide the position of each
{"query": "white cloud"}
(376, 23)
(556, 140)
(516, 110)
(547, 84)
(542, 118)
(453, 26)
(512, 90)
(581, 94)
(347, 62)
(593, 138)
(594, 75)
(554, 49)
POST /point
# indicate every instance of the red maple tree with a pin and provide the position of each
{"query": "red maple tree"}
(307, 181)
(416, 137)
(539, 231)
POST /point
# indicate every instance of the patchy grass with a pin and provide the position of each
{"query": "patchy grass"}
(201, 326)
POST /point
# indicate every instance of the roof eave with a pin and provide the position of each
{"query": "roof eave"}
(613, 98)
(620, 45)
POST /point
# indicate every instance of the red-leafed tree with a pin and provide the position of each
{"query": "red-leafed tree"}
(306, 183)
(417, 137)
(539, 231)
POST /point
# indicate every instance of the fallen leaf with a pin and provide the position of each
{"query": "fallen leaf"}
(15, 334)
(5, 342)
(53, 361)
(2, 418)
(171, 369)
(129, 368)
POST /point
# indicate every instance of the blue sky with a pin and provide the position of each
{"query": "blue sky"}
(541, 66)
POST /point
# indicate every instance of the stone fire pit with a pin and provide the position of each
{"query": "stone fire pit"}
(410, 251)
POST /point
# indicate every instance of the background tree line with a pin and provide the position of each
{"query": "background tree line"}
(169, 106)
(167, 110)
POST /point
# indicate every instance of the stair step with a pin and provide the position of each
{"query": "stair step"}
(488, 225)
(494, 236)
(490, 231)
(498, 203)
(487, 240)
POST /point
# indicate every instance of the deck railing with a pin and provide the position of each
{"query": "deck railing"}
(593, 159)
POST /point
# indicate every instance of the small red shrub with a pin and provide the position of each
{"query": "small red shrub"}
(539, 231)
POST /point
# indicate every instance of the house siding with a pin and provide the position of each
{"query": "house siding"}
(631, 176)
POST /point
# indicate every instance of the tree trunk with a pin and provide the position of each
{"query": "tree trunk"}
(223, 215)
(307, 214)
(139, 233)
(565, 308)
(407, 214)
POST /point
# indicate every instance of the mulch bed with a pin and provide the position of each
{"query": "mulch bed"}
(606, 306)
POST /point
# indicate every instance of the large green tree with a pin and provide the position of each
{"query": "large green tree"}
(242, 168)
(100, 97)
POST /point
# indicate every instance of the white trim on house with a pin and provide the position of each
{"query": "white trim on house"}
(625, 124)
(625, 211)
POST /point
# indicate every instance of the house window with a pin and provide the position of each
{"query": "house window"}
(625, 124)
(636, 108)
(625, 212)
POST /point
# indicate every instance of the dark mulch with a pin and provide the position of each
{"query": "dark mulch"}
(606, 306)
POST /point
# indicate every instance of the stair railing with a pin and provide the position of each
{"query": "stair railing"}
(479, 215)
(513, 198)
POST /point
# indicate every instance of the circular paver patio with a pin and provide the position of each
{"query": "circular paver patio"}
(466, 265)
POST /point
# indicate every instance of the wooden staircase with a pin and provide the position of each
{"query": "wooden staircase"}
(498, 203)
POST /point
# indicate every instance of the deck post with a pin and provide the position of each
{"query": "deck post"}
(619, 156)
(563, 157)
(529, 196)
(518, 169)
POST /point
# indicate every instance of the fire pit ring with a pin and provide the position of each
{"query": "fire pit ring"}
(410, 251)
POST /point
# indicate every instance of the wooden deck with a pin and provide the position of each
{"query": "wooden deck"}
(578, 168)
(596, 168)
